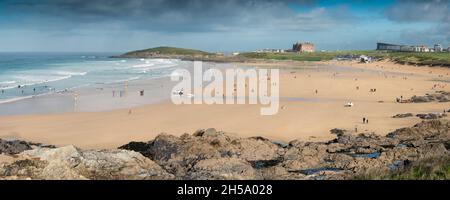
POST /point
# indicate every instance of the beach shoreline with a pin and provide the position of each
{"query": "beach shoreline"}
(304, 114)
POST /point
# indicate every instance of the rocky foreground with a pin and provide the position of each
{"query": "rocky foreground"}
(211, 154)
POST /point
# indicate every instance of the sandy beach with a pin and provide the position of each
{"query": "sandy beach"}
(304, 114)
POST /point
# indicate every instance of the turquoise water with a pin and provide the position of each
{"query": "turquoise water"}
(24, 75)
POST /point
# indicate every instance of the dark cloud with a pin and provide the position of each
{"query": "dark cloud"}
(419, 10)
(175, 15)
(434, 12)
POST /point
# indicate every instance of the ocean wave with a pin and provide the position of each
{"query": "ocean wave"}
(10, 100)
(143, 65)
(29, 80)
(7, 82)
(67, 73)
(14, 99)
(5, 85)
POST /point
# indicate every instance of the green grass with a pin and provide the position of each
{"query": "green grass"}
(322, 56)
(401, 57)
(426, 170)
(172, 51)
(429, 169)
(421, 58)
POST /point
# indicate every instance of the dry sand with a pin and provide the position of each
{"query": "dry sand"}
(303, 114)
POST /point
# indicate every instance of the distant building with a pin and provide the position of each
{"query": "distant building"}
(270, 51)
(388, 47)
(422, 48)
(438, 48)
(448, 49)
(408, 48)
(303, 47)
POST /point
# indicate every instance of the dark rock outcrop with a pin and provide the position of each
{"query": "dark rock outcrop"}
(13, 146)
(431, 116)
(212, 154)
(405, 115)
(71, 163)
(439, 96)
(341, 158)
(179, 155)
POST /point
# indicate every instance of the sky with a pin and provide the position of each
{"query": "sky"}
(218, 25)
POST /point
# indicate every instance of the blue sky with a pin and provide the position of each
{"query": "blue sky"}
(218, 25)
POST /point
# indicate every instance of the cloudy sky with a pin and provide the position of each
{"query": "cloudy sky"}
(218, 25)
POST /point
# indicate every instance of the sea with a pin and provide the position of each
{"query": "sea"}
(27, 75)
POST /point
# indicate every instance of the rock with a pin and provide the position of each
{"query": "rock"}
(209, 154)
(199, 133)
(13, 147)
(436, 130)
(280, 143)
(421, 99)
(338, 132)
(431, 116)
(223, 169)
(68, 163)
(192, 157)
(305, 155)
(280, 173)
(179, 154)
(140, 147)
(405, 115)
(24, 169)
(210, 132)
(258, 151)
(439, 96)
(163, 147)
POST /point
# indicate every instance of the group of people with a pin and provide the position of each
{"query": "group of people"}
(441, 86)
(365, 120)
(22, 89)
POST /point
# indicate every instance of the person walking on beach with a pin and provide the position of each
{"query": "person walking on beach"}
(364, 120)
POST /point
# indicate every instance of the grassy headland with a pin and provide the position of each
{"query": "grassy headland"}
(398, 57)
(165, 51)
(433, 59)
